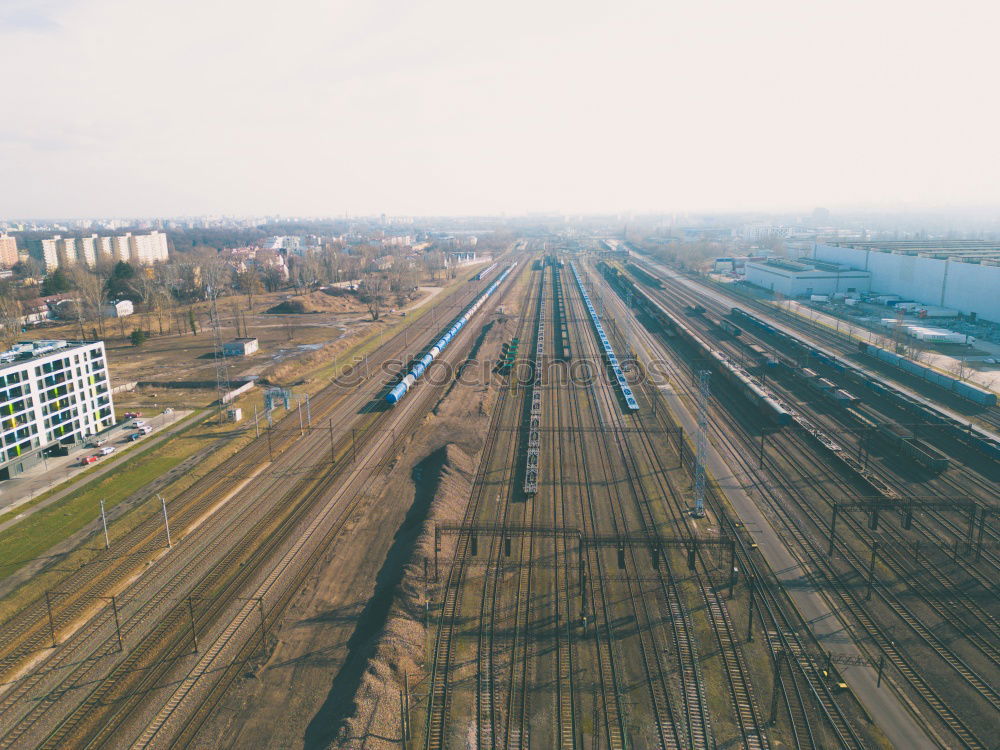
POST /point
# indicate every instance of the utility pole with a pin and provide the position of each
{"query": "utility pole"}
(166, 522)
(221, 371)
(263, 627)
(118, 627)
(701, 443)
(871, 572)
(104, 522)
(256, 426)
(194, 632)
(779, 657)
(52, 625)
(406, 709)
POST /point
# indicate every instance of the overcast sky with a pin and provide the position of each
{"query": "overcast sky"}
(316, 107)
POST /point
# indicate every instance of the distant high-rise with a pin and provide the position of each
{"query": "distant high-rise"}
(46, 252)
(147, 249)
(8, 251)
(140, 249)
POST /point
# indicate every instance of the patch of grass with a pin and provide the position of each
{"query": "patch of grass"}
(85, 476)
(64, 518)
(39, 531)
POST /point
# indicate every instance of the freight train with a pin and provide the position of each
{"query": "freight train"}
(977, 395)
(765, 401)
(922, 409)
(644, 276)
(421, 365)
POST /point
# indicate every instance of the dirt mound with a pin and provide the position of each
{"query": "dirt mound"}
(448, 472)
(317, 302)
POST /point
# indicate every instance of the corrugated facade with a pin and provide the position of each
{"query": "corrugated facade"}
(967, 287)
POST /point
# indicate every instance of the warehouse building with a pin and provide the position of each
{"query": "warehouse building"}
(962, 275)
(52, 393)
(804, 278)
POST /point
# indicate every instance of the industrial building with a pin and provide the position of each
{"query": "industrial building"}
(52, 393)
(803, 278)
(962, 275)
(239, 347)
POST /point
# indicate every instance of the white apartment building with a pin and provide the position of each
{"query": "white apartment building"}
(51, 393)
(147, 249)
(8, 251)
(65, 252)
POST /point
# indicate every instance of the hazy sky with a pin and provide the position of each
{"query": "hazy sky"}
(142, 107)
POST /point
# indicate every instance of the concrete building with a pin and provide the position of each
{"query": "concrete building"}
(65, 252)
(147, 249)
(52, 393)
(800, 279)
(239, 347)
(46, 252)
(118, 309)
(120, 248)
(963, 275)
(8, 251)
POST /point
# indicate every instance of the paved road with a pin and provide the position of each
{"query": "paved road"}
(181, 420)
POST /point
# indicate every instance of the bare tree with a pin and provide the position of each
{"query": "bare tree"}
(373, 291)
(248, 281)
(92, 288)
(10, 316)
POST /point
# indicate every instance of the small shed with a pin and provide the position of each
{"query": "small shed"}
(239, 347)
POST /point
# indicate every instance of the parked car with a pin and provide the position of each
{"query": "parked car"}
(145, 429)
(168, 410)
(107, 450)
(96, 443)
(86, 460)
(138, 423)
(132, 414)
(134, 436)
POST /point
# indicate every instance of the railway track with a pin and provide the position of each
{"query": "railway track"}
(783, 618)
(294, 565)
(106, 687)
(439, 690)
(28, 631)
(960, 610)
(873, 633)
(604, 412)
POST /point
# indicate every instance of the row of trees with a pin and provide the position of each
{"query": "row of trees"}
(158, 292)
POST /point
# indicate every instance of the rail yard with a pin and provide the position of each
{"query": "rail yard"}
(690, 521)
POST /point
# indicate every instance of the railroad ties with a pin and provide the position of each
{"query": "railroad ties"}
(535, 418)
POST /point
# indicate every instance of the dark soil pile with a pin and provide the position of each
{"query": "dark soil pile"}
(375, 720)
